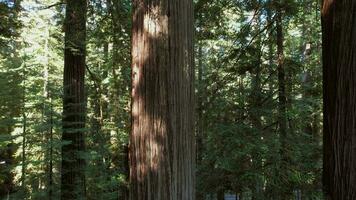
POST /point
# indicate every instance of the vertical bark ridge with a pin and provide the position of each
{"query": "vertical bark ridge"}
(339, 70)
(73, 163)
(162, 139)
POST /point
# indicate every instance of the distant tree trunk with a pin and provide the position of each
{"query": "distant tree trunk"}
(47, 116)
(121, 83)
(298, 194)
(95, 190)
(282, 105)
(270, 56)
(7, 185)
(200, 120)
(73, 163)
(270, 190)
(23, 162)
(162, 143)
(339, 64)
(114, 7)
(255, 109)
(199, 126)
(125, 169)
(50, 156)
(221, 195)
(24, 136)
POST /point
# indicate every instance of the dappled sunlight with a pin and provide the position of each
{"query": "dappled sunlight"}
(119, 121)
(155, 22)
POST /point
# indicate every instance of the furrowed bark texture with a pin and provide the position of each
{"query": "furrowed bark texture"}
(73, 163)
(162, 146)
(339, 70)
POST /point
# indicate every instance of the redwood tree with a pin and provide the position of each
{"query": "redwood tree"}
(339, 70)
(162, 152)
(73, 163)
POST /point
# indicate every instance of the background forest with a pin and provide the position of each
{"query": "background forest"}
(250, 56)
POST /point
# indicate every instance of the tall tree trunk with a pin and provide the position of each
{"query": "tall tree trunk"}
(24, 136)
(257, 187)
(269, 190)
(50, 156)
(339, 64)
(47, 119)
(255, 109)
(200, 121)
(23, 162)
(199, 125)
(162, 146)
(73, 163)
(96, 191)
(282, 106)
(121, 83)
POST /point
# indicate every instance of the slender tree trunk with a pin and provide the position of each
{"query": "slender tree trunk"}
(47, 120)
(73, 163)
(257, 187)
(199, 125)
(114, 7)
(50, 166)
(96, 191)
(255, 100)
(116, 11)
(282, 106)
(270, 47)
(339, 70)
(269, 188)
(221, 195)
(23, 167)
(162, 146)
(125, 169)
(200, 120)
(24, 136)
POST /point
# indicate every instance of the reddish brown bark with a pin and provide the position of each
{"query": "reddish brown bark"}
(339, 70)
(162, 152)
(73, 163)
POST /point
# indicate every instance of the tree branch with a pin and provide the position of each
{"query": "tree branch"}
(53, 5)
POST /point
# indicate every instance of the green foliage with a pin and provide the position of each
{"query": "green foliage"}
(237, 99)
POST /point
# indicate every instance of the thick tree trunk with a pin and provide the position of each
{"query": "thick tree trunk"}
(339, 70)
(73, 163)
(162, 146)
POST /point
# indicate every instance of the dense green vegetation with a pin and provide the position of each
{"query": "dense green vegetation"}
(241, 147)
(258, 82)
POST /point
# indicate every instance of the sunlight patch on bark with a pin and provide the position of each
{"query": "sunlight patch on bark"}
(326, 6)
(155, 22)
